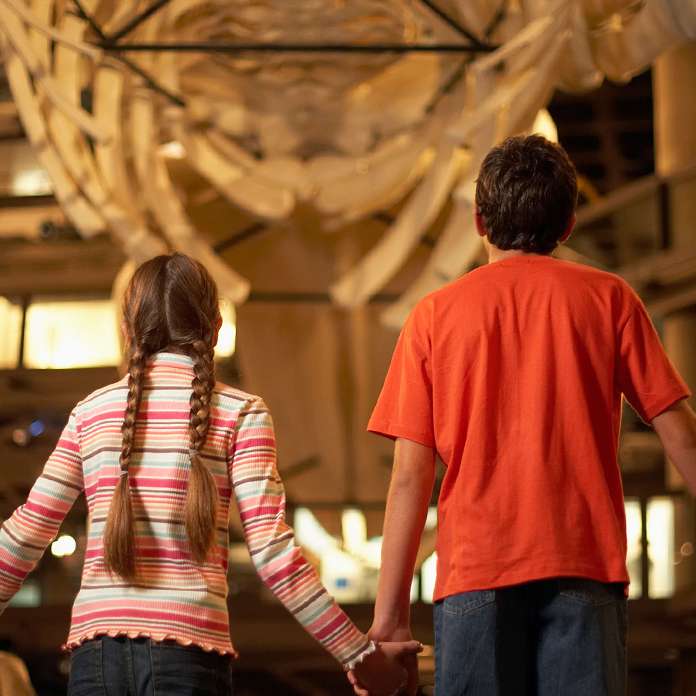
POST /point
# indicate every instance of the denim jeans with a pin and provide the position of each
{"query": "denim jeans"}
(141, 667)
(560, 637)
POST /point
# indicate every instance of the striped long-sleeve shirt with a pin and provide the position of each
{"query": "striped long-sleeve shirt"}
(174, 597)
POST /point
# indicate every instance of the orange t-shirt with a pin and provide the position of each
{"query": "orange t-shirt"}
(514, 373)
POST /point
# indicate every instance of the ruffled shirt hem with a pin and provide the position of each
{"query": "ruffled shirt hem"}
(157, 637)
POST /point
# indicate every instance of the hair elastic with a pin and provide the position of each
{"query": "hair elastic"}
(123, 472)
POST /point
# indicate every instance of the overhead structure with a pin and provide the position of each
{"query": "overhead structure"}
(348, 107)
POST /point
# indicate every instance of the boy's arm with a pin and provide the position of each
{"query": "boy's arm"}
(676, 428)
(407, 507)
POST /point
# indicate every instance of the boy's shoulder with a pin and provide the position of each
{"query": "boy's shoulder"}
(491, 275)
(486, 284)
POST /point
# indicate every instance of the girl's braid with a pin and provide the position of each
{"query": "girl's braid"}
(202, 495)
(119, 531)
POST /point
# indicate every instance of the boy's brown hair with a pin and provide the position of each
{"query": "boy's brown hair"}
(526, 193)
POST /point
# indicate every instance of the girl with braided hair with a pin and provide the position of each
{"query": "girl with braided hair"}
(159, 455)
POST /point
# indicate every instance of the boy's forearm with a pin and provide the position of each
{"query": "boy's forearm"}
(676, 428)
(407, 508)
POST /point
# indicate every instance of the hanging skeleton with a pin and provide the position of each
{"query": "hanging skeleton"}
(349, 134)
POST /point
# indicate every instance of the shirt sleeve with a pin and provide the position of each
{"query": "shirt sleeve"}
(31, 528)
(281, 564)
(405, 405)
(646, 375)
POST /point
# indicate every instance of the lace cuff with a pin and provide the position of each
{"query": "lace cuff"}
(371, 647)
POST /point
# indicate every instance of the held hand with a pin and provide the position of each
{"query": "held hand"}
(401, 634)
(383, 672)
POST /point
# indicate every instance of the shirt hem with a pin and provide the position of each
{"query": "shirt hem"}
(661, 405)
(393, 432)
(485, 582)
(157, 637)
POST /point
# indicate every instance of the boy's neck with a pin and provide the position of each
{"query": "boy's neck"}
(495, 254)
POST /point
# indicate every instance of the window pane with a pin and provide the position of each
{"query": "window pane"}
(634, 532)
(71, 333)
(11, 323)
(343, 576)
(28, 595)
(660, 524)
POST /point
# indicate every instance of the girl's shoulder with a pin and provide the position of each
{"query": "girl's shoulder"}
(111, 393)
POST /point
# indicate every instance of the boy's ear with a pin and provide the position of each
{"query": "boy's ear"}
(480, 229)
(569, 229)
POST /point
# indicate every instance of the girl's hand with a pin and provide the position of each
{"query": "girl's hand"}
(382, 673)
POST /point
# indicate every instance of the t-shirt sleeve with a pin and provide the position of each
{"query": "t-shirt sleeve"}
(646, 375)
(405, 405)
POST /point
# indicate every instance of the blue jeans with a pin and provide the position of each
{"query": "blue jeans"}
(560, 637)
(141, 667)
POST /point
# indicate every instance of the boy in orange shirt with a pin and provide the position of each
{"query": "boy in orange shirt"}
(514, 375)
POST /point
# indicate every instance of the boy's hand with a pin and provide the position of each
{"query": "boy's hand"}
(400, 634)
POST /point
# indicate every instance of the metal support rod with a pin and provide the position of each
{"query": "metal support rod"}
(151, 83)
(290, 296)
(459, 73)
(23, 332)
(453, 23)
(497, 19)
(664, 208)
(88, 18)
(135, 22)
(644, 549)
(250, 231)
(296, 48)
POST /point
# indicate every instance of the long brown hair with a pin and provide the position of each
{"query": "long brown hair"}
(171, 303)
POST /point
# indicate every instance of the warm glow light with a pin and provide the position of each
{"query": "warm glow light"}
(64, 545)
(428, 574)
(544, 124)
(431, 519)
(11, 322)
(71, 334)
(660, 532)
(174, 149)
(350, 571)
(354, 528)
(310, 534)
(31, 182)
(634, 533)
(342, 575)
(228, 331)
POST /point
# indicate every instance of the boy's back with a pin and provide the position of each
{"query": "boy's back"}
(522, 364)
(514, 375)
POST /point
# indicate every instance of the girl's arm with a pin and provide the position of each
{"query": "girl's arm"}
(279, 562)
(33, 526)
(282, 566)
